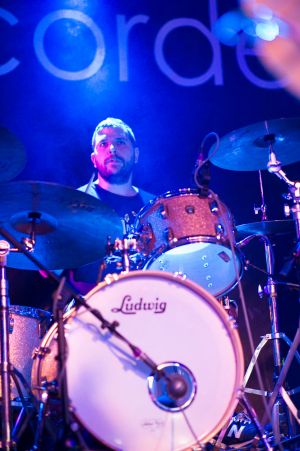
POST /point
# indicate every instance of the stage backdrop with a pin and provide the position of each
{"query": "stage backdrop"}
(67, 64)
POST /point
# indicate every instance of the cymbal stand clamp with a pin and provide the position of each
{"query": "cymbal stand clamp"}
(125, 245)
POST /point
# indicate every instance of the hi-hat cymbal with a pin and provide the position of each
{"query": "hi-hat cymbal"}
(12, 155)
(71, 227)
(247, 149)
(277, 227)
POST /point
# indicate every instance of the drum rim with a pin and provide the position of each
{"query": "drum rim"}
(176, 193)
(30, 312)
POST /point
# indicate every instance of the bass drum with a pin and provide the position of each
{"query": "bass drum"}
(118, 398)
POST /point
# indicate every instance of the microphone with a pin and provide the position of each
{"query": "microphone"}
(202, 165)
(202, 176)
(176, 386)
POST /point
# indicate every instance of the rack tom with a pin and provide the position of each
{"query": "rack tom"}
(191, 235)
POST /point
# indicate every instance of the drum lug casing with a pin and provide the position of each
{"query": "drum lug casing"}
(11, 324)
(214, 207)
(162, 211)
(40, 352)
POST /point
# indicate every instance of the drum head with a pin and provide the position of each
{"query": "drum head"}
(171, 321)
(209, 265)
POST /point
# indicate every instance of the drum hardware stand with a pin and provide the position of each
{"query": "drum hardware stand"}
(261, 435)
(10, 436)
(24, 416)
(40, 420)
(6, 411)
(280, 371)
(275, 336)
(125, 245)
(5, 362)
(70, 426)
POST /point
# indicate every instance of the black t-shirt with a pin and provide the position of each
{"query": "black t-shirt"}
(127, 207)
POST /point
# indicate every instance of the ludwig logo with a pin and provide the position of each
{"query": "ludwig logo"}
(130, 307)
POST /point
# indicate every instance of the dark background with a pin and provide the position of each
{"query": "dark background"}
(55, 117)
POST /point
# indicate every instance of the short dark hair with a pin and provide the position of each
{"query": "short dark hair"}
(114, 123)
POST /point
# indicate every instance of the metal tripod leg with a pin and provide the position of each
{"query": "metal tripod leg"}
(25, 415)
(279, 385)
(261, 435)
(275, 336)
(255, 356)
(278, 389)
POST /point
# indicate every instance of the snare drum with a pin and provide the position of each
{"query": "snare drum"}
(27, 326)
(191, 235)
(118, 398)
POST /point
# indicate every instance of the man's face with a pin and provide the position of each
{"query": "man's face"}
(114, 155)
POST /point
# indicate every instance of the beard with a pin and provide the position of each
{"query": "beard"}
(119, 177)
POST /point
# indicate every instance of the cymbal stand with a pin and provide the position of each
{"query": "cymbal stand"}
(274, 167)
(5, 362)
(10, 435)
(280, 370)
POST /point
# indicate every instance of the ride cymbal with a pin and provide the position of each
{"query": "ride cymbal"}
(276, 227)
(247, 149)
(70, 227)
(12, 156)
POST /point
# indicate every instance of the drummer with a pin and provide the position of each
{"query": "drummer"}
(114, 156)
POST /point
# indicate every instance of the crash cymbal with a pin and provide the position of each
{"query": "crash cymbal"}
(247, 149)
(71, 226)
(12, 155)
(277, 227)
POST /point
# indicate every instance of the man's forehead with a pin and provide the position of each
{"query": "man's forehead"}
(110, 132)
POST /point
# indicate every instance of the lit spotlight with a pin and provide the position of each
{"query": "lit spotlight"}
(229, 27)
(268, 30)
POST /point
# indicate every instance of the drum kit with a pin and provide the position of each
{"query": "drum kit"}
(149, 359)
